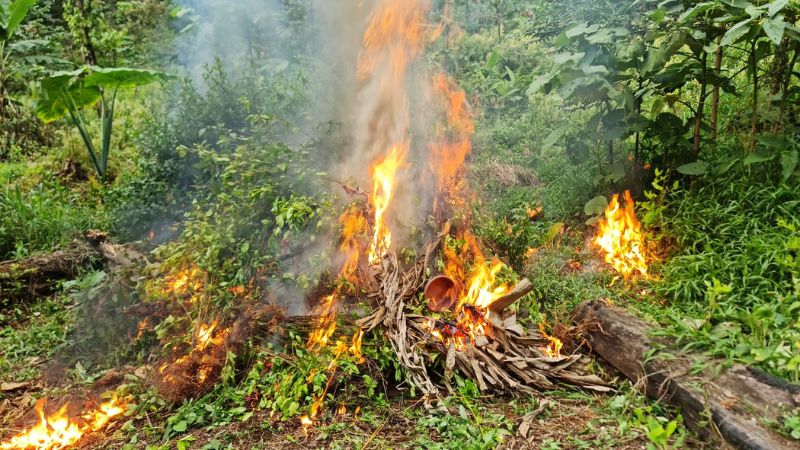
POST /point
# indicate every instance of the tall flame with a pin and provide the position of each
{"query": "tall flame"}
(58, 431)
(621, 238)
(384, 182)
(454, 142)
(394, 37)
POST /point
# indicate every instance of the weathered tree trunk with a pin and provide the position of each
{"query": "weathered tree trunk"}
(785, 88)
(85, 10)
(732, 405)
(39, 275)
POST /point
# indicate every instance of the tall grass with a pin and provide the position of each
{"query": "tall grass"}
(41, 218)
(735, 282)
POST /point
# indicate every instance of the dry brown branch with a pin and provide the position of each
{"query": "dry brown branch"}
(507, 359)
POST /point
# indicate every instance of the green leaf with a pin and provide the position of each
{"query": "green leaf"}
(494, 57)
(16, 14)
(756, 158)
(658, 15)
(736, 32)
(561, 41)
(737, 3)
(788, 163)
(656, 59)
(694, 168)
(724, 166)
(774, 29)
(180, 426)
(122, 77)
(596, 206)
(775, 142)
(776, 6)
(59, 90)
(581, 29)
(538, 83)
(553, 232)
(554, 136)
(695, 10)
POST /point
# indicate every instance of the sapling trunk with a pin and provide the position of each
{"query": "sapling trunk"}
(754, 113)
(449, 13)
(787, 79)
(698, 117)
(715, 94)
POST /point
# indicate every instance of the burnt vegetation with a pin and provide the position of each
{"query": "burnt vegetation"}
(399, 224)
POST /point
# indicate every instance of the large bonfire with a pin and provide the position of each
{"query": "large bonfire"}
(471, 329)
(475, 333)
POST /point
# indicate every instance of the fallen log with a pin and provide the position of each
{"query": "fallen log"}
(39, 275)
(733, 405)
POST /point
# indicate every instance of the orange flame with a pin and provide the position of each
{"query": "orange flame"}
(476, 292)
(383, 185)
(325, 324)
(448, 153)
(621, 238)
(553, 349)
(186, 280)
(205, 336)
(353, 224)
(395, 35)
(58, 431)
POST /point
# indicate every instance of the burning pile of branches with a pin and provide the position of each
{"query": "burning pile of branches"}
(485, 342)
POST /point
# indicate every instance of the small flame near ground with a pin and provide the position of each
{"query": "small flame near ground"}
(621, 238)
(553, 349)
(58, 431)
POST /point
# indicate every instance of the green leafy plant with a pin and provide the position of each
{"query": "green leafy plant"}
(67, 93)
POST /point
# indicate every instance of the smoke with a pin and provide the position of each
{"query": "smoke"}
(365, 77)
(235, 33)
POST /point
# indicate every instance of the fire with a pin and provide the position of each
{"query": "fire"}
(58, 431)
(477, 290)
(395, 36)
(553, 349)
(480, 292)
(355, 346)
(189, 279)
(325, 324)
(353, 224)
(204, 335)
(383, 185)
(621, 238)
(106, 412)
(450, 150)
